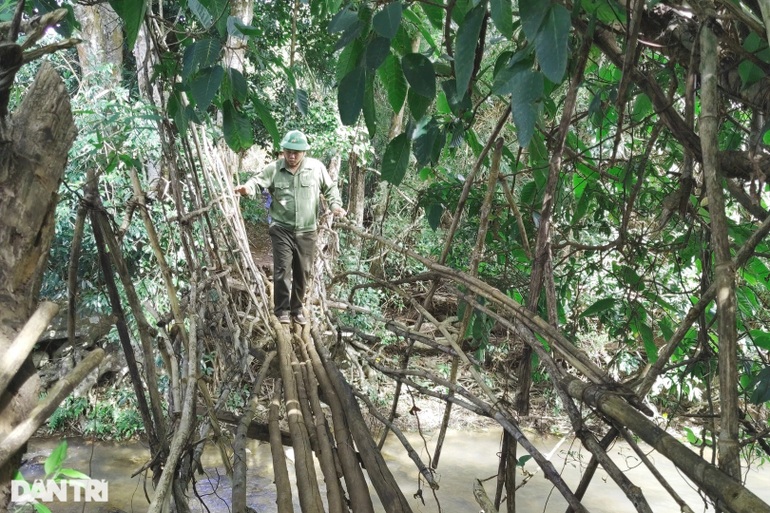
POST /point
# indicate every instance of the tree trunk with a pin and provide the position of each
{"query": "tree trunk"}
(34, 143)
(728, 445)
(102, 36)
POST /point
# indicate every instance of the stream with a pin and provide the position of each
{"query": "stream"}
(465, 457)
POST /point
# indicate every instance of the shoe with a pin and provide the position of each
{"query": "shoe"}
(299, 319)
(283, 318)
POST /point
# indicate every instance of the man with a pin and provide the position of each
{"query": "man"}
(295, 183)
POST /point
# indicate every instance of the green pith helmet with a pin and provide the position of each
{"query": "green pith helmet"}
(295, 140)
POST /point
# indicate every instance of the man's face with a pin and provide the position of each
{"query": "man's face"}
(293, 157)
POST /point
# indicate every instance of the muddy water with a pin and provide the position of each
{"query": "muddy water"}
(465, 457)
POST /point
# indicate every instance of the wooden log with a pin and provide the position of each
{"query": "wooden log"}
(358, 490)
(482, 499)
(388, 491)
(24, 342)
(280, 471)
(240, 466)
(729, 493)
(334, 495)
(19, 436)
(304, 466)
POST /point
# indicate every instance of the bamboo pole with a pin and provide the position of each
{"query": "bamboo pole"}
(304, 467)
(280, 470)
(358, 491)
(25, 341)
(715, 483)
(240, 466)
(64, 387)
(384, 483)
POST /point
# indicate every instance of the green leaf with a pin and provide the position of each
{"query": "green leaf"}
(343, 20)
(424, 139)
(649, 342)
(370, 109)
(350, 96)
(236, 28)
(527, 92)
(502, 16)
(761, 393)
(55, 460)
(599, 306)
(348, 59)
(73, 474)
(199, 55)
(434, 13)
(532, 13)
(392, 77)
(551, 43)
(395, 160)
(376, 52)
(386, 22)
(200, 12)
(301, 101)
(236, 128)
(419, 73)
(465, 46)
(457, 103)
(418, 105)
(642, 108)
(523, 460)
(205, 85)
(766, 137)
(434, 214)
(41, 508)
(238, 85)
(267, 120)
(132, 13)
(761, 339)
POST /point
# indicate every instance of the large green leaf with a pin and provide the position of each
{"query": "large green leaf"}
(418, 105)
(238, 85)
(200, 12)
(343, 20)
(761, 393)
(132, 13)
(266, 117)
(392, 77)
(649, 342)
(434, 13)
(396, 159)
(599, 306)
(56, 458)
(350, 96)
(465, 46)
(424, 139)
(201, 54)
(236, 28)
(761, 339)
(532, 13)
(502, 16)
(419, 72)
(370, 110)
(349, 59)
(527, 91)
(302, 101)
(237, 128)
(205, 85)
(551, 43)
(387, 20)
(377, 51)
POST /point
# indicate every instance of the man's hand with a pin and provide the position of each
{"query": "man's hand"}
(242, 190)
(339, 212)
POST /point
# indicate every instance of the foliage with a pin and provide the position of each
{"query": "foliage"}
(113, 415)
(54, 471)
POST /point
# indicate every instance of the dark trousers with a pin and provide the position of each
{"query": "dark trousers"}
(293, 257)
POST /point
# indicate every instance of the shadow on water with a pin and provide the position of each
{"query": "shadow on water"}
(465, 457)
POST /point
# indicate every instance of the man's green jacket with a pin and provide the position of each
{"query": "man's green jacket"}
(295, 196)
